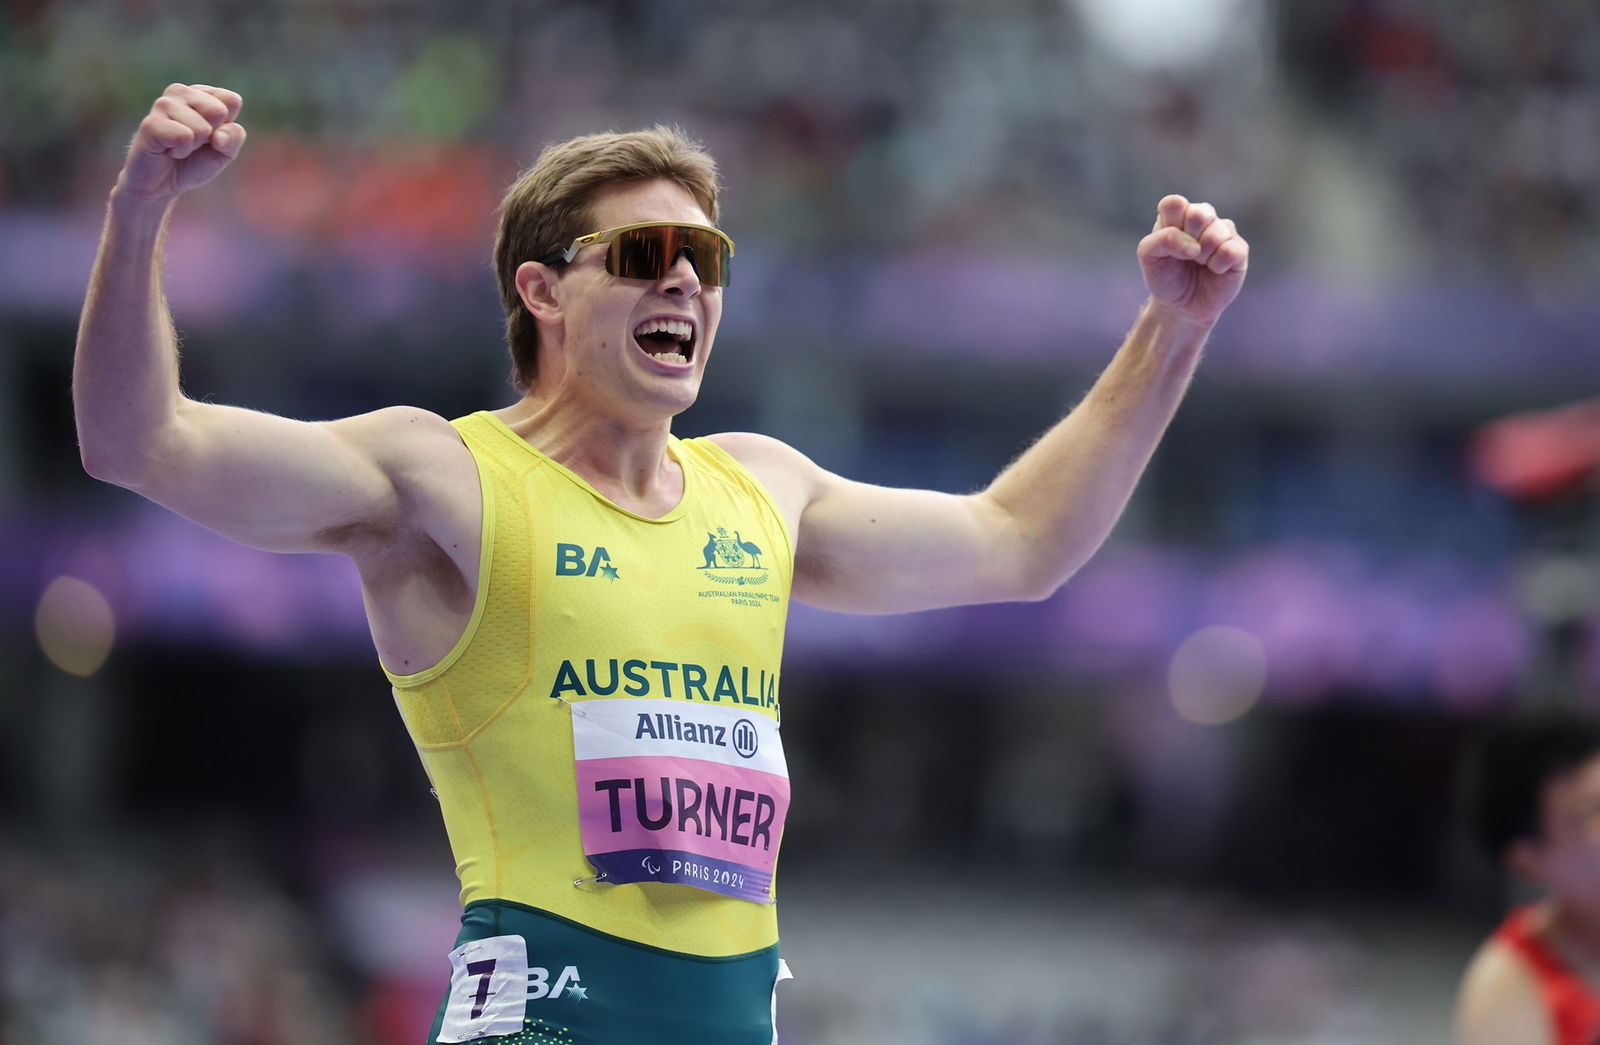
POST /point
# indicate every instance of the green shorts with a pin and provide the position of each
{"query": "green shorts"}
(522, 976)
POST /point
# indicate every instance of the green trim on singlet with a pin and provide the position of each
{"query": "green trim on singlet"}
(635, 994)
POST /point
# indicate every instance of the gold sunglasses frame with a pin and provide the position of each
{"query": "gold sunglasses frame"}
(607, 235)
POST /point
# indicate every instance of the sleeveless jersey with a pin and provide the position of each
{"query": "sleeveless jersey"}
(1573, 1006)
(579, 600)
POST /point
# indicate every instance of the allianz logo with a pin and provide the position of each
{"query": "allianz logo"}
(741, 736)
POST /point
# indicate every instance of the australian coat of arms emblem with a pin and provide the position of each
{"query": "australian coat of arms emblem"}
(730, 552)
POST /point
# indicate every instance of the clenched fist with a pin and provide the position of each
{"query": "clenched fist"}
(189, 135)
(1194, 262)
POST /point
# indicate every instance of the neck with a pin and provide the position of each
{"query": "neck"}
(625, 460)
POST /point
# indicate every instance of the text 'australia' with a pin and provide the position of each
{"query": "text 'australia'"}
(667, 678)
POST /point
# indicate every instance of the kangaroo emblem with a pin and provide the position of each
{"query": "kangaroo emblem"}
(710, 552)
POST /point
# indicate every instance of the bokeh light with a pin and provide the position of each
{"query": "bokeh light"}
(75, 626)
(1167, 34)
(1217, 674)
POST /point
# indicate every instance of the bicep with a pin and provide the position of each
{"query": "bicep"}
(273, 482)
(874, 549)
(861, 548)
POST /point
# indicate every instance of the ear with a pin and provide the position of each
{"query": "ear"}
(1526, 861)
(537, 286)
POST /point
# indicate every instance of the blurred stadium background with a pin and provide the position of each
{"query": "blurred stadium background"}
(1204, 795)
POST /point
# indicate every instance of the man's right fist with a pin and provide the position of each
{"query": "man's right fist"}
(184, 142)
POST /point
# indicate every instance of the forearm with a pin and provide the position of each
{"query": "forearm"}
(125, 375)
(1063, 496)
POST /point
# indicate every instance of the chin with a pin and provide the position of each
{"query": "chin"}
(672, 397)
(684, 402)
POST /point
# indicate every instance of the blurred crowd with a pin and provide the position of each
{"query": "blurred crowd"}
(1484, 112)
(134, 943)
(1363, 136)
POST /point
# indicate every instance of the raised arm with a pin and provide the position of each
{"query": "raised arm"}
(266, 481)
(869, 549)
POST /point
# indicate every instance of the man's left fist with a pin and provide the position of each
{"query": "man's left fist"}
(1193, 261)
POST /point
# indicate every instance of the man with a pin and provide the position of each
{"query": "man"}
(582, 614)
(1535, 805)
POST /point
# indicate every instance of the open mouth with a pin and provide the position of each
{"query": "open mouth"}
(668, 340)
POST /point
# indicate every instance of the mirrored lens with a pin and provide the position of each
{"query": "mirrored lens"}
(648, 253)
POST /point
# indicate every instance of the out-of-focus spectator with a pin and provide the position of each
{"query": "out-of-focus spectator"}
(1535, 805)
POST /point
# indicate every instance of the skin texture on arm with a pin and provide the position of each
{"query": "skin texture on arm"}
(266, 481)
(868, 549)
(1499, 1003)
(861, 548)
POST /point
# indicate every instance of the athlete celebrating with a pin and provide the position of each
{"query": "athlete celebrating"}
(580, 613)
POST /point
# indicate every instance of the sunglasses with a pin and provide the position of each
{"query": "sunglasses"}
(649, 249)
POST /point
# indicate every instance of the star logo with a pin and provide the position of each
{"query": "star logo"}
(580, 993)
(609, 572)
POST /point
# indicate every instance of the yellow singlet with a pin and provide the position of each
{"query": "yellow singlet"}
(581, 600)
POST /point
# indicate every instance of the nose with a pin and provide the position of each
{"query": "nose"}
(681, 278)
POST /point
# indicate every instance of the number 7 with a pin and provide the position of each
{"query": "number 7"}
(484, 969)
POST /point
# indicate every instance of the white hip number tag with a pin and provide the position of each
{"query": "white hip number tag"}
(488, 989)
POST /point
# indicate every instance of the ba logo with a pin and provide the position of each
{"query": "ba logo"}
(568, 984)
(573, 561)
(744, 738)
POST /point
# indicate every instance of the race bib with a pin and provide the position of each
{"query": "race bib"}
(686, 793)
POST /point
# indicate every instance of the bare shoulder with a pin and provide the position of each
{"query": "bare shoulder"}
(398, 432)
(753, 448)
(790, 477)
(786, 472)
(1499, 1000)
(431, 472)
(421, 453)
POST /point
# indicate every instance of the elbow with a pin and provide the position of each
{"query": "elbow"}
(1034, 576)
(1024, 585)
(1040, 592)
(100, 466)
(125, 456)
(116, 466)
(1038, 578)
(95, 462)
(103, 452)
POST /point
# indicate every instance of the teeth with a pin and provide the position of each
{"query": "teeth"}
(678, 328)
(671, 357)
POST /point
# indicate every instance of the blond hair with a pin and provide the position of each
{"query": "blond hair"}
(547, 207)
